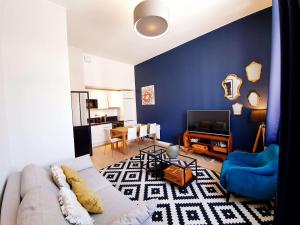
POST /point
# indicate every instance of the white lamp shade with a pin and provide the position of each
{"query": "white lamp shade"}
(151, 19)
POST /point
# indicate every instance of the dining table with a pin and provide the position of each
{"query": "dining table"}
(122, 132)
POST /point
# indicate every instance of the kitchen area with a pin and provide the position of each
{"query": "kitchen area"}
(110, 109)
(103, 97)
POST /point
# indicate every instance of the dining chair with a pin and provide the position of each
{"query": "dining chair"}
(132, 134)
(152, 130)
(110, 140)
(143, 131)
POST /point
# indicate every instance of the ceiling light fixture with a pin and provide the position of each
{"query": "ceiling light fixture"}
(151, 19)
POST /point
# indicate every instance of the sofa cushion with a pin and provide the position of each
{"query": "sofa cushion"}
(138, 216)
(114, 204)
(87, 198)
(93, 179)
(72, 175)
(33, 177)
(40, 207)
(71, 208)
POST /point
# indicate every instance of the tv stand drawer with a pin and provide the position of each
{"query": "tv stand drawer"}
(200, 147)
(219, 149)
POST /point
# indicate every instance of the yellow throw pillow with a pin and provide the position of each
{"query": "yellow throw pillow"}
(71, 175)
(87, 198)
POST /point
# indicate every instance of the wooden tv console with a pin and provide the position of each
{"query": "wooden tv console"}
(217, 146)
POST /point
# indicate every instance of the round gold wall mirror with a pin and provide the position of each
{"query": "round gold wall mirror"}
(231, 85)
(254, 99)
(253, 71)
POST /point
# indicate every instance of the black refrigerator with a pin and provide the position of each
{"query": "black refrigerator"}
(81, 125)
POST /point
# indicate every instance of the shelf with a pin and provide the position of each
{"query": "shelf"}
(207, 144)
(200, 143)
(219, 149)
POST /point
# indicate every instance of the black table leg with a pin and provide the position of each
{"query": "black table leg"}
(155, 162)
(196, 171)
(147, 162)
(184, 182)
(141, 162)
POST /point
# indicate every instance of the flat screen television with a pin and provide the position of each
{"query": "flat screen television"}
(209, 121)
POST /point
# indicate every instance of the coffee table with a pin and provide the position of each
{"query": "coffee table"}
(157, 161)
(154, 154)
(183, 163)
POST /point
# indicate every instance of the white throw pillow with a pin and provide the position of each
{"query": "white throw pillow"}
(59, 177)
(72, 209)
(139, 215)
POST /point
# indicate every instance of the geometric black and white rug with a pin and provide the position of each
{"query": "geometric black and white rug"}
(203, 202)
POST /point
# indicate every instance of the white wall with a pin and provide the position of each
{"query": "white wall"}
(5, 163)
(76, 69)
(105, 73)
(5, 160)
(36, 83)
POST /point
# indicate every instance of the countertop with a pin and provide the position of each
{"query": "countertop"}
(96, 124)
(107, 122)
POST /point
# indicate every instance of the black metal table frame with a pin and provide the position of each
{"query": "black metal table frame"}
(154, 159)
(168, 162)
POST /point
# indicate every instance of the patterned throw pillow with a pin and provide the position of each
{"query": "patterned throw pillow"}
(87, 198)
(72, 210)
(59, 177)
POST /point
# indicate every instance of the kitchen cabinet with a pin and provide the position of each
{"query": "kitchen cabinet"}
(107, 74)
(101, 96)
(114, 99)
(92, 94)
(128, 94)
(107, 99)
(98, 134)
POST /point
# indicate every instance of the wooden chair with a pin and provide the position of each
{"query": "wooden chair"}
(110, 140)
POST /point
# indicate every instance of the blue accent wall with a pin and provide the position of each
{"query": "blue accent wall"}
(189, 77)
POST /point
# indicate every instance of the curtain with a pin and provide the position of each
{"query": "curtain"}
(288, 195)
(273, 116)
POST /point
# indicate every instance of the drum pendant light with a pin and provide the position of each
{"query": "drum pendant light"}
(151, 19)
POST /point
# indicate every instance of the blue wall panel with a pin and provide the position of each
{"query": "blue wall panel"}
(189, 77)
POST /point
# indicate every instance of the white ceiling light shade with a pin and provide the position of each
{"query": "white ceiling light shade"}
(151, 19)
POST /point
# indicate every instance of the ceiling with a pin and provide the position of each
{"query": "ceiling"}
(105, 27)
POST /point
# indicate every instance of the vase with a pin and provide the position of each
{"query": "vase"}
(173, 151)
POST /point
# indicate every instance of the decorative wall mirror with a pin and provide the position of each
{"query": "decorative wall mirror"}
(254, 99)
(253, 71)
(231, 85)
(237, 109)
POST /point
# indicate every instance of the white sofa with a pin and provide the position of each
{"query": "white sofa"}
(19, 184)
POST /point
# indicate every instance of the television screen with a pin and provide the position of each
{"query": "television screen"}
(209, 121)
